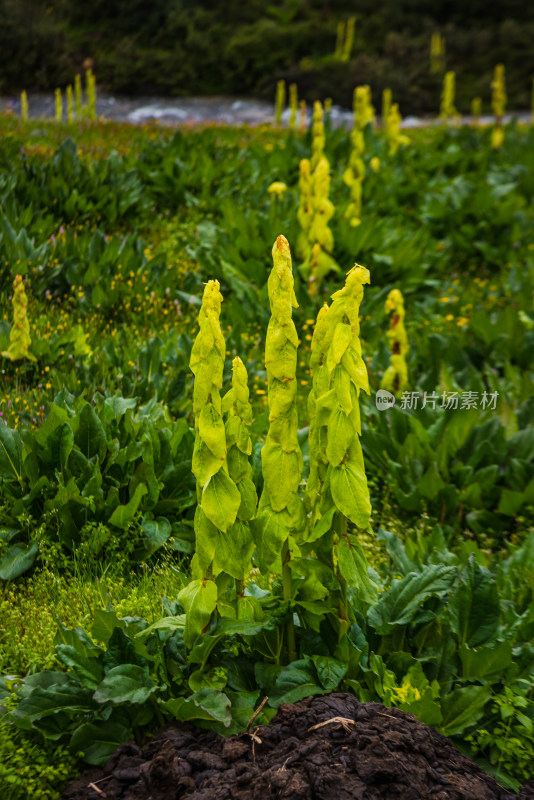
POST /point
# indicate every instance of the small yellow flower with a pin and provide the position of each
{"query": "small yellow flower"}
(375, 164)
(277, 188)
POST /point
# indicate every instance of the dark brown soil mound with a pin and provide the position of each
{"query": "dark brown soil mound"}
(323, 748)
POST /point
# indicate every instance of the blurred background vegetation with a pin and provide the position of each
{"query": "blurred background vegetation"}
(206, 47)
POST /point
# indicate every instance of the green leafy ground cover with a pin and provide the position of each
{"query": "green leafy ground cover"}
(98, 497)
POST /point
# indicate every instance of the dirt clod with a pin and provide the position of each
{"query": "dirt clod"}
(323, 748)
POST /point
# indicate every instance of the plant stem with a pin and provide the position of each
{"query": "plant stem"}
(288, 595)
(344, 624)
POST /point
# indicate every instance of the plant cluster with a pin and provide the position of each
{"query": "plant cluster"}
(103, 428)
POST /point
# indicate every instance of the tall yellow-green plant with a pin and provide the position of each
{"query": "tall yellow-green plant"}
(337, 488)
(369, 116)
(78, 96)
(395, 378)
(318, 136)
(59, 106)
(293, 105)
(447, 109)
(349, 40)
(23, 106)
(320, 235)
(218, 498)
(393, 130)
(498, 105)
(305, 209)
(437, 53)
(355, 172)
(281, 515)
(70, 104)
(476, 110)
(303, 121)
(19, 337)
(386, 105)
(280, 101)
(315, 242)
(90, 88)
(344, 40)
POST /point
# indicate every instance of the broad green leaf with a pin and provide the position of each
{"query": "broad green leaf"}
(118, 405)
(59, 447)
(281, 473)
(341, 381)
(17, 559)
(350, 493)
(199, 599)
(401, 603)
(221, 500)
(11, 454)
(330, 671)
(474, 607)
(155, 533)
(104, 624)
(341, 340)
(210, 679)
(425, 708)
(238, 464)
(355, 366)
(483, 662)
(204, 464)
(90, 436)
(99, 740)
(271, 529)
(510, 502)
(127, 683)
(463, 708)
(163, 624)
(88, 670)
(56, 416)
(397, 552)
(211, 431)
(122, 649)
(124, 515)
(68, 696)
(295, 682)
(206, 538)
(431, 483)
(78, 639)
(340, 434)
(207, 704)
(249, 499)
(353, 567)
(280, 354)
(323, 525)
(234, 551)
